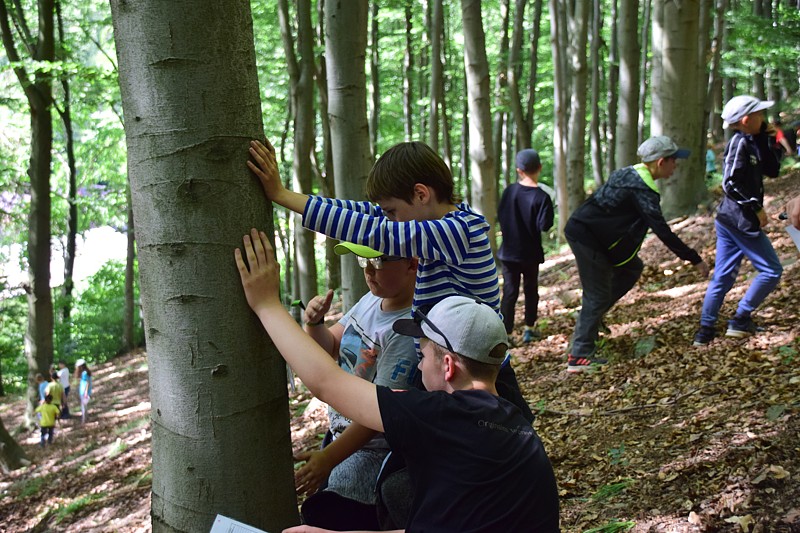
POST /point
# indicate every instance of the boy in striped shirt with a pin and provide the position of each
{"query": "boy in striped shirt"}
(417, 215)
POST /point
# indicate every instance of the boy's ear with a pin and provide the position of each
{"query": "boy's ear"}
(423, 194)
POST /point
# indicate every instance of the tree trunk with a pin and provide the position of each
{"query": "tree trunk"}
(500, 96)
(301, 77)
(129, 324)
(221, 440)
(515, 70)
(437, 76)
(628, 98)
(714, 98)
(38, 91)
(12, 456)
(484, 178)
(640, 126)
(535, 34)
(374, 66)
(576, 140)
(72, 192)
(408, 73)
(332, 264)
(345, 50)
(613, 90)
(678, 112)
(594, 125)
(560, 119)
(423, 83)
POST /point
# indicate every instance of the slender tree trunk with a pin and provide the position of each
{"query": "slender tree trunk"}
(714, 98)
(332, 262)
(408, 73)
(374, 66)
(523, 127)
(594, 126)
(500, 94)
(12, 456)
(678, 112)
(422, 72)
(613, 91)
(535, 35)
(38, 91)
(437, 76)
(301, 76)
(345, 50)
(576, 140)
(759, 85)
(466, 182)
(72, 192)
(643, 73)
(628, 98)
(217, 446)
(560, 119)
(481, 153)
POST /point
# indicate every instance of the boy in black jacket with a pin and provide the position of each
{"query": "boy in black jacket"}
(606, 232)
(740, 217)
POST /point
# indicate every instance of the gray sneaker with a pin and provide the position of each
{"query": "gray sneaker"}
(741, 326)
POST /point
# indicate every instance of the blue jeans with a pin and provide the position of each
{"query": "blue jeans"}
(732, 246)
(603, 285)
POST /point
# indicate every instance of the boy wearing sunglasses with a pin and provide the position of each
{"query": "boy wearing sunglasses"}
(363, 344)
(474, 461)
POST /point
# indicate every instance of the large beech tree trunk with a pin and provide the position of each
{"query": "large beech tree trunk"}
(12, 456)
(628, 97)
(220, 419)
(481, 152)
(345, 50)
(676, 110)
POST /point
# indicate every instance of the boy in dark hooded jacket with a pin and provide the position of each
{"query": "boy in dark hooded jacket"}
(606, 232)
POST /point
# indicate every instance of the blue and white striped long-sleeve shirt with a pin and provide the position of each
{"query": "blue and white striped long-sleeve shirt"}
(455, 257)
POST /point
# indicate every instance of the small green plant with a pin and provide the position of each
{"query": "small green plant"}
(788, 354)
(615, 526)
(540, 406)
(31, 487)
(617, 455)
(644, 346)
(62, 512)
(609, 491)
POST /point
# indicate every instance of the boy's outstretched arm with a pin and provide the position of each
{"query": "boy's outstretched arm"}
(266, 168)
(352, 396)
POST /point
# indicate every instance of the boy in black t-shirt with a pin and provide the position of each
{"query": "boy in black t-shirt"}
(474, 460)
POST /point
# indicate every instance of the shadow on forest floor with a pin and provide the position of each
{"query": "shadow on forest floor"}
(667, 437)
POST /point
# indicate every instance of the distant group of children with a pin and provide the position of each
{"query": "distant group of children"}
(429, 430)
(54, 393)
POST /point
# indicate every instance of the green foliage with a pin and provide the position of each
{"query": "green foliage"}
(31, 486)
(117, 448)
(136, 423)
(608, 491)
(13, 321)
(615, 526)
(618, 456)
(98, 317)
(62, 511)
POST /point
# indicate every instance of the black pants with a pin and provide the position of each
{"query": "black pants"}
(529, 272)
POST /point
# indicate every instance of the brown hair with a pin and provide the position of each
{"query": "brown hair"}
(476, 369)
(405, 164)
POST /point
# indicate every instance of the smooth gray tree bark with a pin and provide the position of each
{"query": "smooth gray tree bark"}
(408, 73)
(12, 456)
(437, 75)
(345, 52)
(560, 117)
(301, 68)
(221, 441)
(578, 24)
(626, 138)
(676, 110)
(481, 152)
(594, 124)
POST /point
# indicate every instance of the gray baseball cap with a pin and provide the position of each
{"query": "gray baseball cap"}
(739, 106)
(660, 146)
(460, 324)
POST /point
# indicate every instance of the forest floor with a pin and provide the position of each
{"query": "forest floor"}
(667, 437)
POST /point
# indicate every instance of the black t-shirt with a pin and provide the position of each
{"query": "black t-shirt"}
(524, 213)
(475, 463)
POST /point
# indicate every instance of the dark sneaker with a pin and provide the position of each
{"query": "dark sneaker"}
(582, 364)
(704, 335)
(740, 327)
(531, 335)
